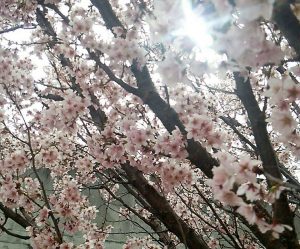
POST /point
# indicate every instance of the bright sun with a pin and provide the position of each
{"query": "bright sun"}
(195, 27)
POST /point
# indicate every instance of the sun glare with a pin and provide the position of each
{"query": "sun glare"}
(195, 27)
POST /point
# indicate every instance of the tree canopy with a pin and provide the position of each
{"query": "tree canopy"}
(190, 108)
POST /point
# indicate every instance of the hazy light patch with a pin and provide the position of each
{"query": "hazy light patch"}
(19, 35)
(39, 72)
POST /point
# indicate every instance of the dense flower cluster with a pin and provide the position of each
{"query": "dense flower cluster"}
(231, 175)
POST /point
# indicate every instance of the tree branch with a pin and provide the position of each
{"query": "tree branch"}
(164, 211)
(281, 211)
(287, 23)
(198, 155)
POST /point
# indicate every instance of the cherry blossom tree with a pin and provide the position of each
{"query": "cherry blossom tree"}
(191, 108)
